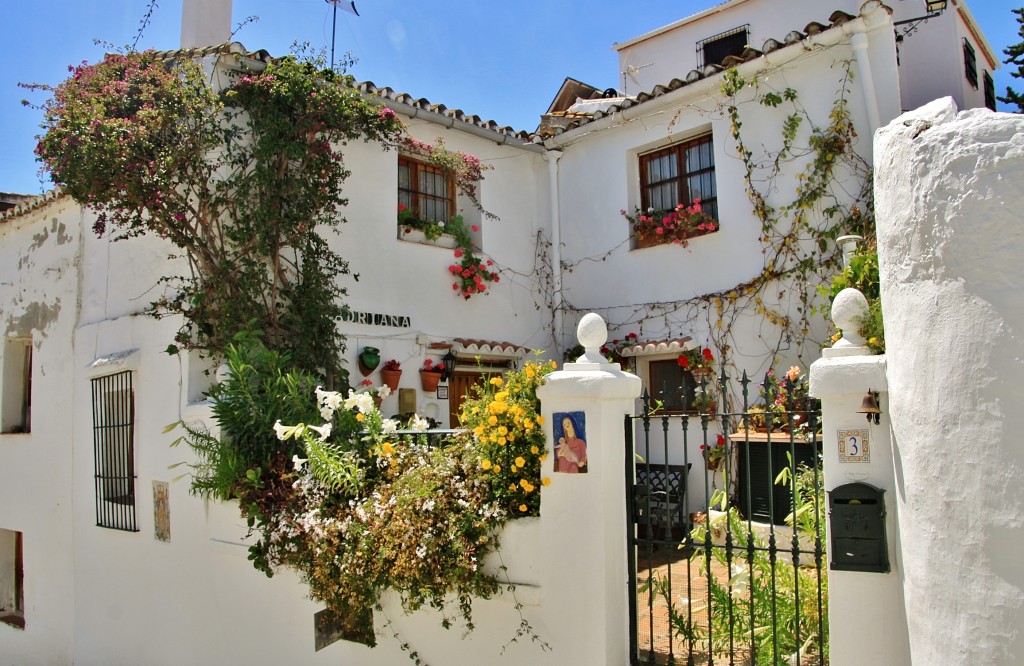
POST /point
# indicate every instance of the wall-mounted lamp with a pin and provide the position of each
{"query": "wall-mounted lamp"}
(869, 406)
(932, 8)
(449, 364)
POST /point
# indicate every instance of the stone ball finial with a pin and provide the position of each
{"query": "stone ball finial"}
(592, 333)
(848, 308)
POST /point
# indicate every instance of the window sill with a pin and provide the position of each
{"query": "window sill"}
(671, 239)
(417, 236)
(15, 619)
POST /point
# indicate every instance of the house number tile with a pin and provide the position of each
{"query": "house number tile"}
(853, 446)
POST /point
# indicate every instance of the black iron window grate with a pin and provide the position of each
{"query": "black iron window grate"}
(113, 419)
(715, 49)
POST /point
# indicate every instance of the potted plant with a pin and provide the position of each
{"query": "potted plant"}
(787, 400)
(704, 400)
(431, 374)
(391, 373)
(697, 362)
(714, 454)
(676, 226)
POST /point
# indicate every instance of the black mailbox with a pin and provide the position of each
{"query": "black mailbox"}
(857, 528)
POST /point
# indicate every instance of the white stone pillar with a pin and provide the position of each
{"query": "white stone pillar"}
(866, 619)
(949, 191)
(583, 515)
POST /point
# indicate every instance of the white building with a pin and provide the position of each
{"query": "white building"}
(71, 306)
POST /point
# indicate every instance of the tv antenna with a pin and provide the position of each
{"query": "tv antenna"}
(347, 6)
(631, 71)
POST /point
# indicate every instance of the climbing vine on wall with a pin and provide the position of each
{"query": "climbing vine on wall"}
(242, 181)
(832, 196)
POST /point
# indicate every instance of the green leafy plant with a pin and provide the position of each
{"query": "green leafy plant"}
(862, 274)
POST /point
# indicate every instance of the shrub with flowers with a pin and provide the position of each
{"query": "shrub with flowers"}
(503, 418)
(432, 366)
(672, 226)
(151, 147)
(392, 365)
(357, 505)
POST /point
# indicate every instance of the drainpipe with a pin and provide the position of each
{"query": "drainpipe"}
(859, 41)
(552, 157)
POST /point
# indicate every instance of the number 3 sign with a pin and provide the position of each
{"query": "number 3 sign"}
(853, 446)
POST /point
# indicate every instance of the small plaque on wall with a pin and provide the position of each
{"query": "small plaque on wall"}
(442, 392)
(853, 446)
(161, 511)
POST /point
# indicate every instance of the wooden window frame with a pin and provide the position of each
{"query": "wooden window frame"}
(680, 180)
(677, 402)
(416, 196)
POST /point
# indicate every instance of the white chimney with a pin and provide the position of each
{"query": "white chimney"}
(205, 22)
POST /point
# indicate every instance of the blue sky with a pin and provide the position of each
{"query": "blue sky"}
(500, 60)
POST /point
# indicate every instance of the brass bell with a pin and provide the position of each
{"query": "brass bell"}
(869, 406)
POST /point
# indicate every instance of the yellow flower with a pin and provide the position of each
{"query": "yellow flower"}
(526, 485)
(512, 486)
(530, 372)
(521, 461)
(492, 420)
(511, 437)
(542, 457)
(545, 481)
(502, 440)
(554, 366)
(522, 507)
(486, 464)
(534, 450)
(514, 468)
(478, 431)
(386, 448)
(496, 381)
(502, 430)
(497, 468)
(528, 424)
(501, 396)
(360, 416)
(540, 419)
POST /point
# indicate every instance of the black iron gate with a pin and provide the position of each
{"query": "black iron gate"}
(726, 531)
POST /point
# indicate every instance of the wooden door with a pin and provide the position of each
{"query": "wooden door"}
(458, 386)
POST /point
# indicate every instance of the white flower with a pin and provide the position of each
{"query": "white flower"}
(298, 462)
(389, 426)
(383, 391)
(419, 423)
(428, 505)
(326, 413)
(324, 431)
(284, 432)
(360, 401)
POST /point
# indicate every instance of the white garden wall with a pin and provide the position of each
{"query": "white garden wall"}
(949, 190)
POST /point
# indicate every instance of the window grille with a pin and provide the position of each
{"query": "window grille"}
(113, 419)
(970, 64)
(715, 49)
(990, 91)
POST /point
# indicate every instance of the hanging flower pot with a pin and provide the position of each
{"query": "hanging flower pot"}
(369, 359)
(391, 373)
(430, 380)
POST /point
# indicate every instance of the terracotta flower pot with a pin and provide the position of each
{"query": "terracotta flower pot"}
(391, 378)
(429, 380)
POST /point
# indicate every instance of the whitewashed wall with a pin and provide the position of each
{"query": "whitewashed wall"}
(931, 58)
(949, 193)
(598, 177)
(39, 278)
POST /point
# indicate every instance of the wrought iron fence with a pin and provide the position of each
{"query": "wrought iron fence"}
(726, 562)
